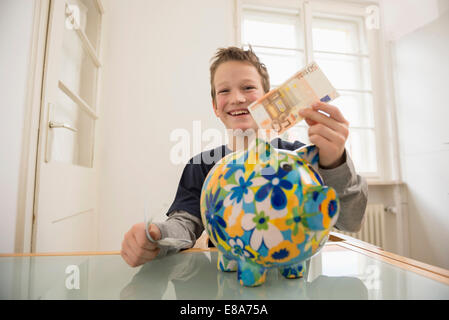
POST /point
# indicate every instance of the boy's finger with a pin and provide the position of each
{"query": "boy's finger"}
(140, 236)
(320, 141)
(318, 117)
(139, 252)
(310, 122)
(142, 255)
(143, 243)
(333, 111)
(327, 133)
(154, 231)
(128, 255)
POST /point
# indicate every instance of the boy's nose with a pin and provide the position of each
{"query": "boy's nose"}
(238, 98)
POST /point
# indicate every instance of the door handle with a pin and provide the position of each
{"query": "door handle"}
(52, 125)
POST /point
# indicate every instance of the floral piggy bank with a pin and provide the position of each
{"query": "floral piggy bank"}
(265, 208)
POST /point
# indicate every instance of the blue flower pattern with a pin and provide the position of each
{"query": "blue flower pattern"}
(216, 222)
(271, 232)
(242, 188)
(276, 185)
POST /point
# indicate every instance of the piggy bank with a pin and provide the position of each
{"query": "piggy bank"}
(267, 208)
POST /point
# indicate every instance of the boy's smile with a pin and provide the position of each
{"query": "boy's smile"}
(237, 85)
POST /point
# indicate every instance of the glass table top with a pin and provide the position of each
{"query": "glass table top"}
(334, 273)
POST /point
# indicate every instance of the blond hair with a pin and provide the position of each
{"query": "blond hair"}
(236, 54)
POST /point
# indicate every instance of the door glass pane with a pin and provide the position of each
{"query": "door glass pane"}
(281, 64)
(88, 17)
(361, 146)
(345, 72)
(357, 108)
(77, 70)
(272, 29)
(67, 145)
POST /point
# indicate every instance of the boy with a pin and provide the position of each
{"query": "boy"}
(238, 79)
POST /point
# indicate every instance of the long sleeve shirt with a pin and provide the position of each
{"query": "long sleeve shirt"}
(184, 217)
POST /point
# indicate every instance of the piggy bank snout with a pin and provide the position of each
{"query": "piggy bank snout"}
(320, 207)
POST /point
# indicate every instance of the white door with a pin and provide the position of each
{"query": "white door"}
(65, 210)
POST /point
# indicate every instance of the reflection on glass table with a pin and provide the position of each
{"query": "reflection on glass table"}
(339, 271)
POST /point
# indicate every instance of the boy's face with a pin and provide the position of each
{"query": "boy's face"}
(237, 85)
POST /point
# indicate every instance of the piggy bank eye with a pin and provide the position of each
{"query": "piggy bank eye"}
(286, 167)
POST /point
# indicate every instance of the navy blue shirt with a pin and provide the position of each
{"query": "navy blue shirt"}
(189, 189)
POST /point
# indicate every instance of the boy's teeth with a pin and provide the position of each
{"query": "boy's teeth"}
(236, 113)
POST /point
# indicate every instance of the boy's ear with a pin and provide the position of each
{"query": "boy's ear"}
(214, 107)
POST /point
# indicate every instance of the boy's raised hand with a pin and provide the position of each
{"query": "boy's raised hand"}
(136, 249)
(328, 133)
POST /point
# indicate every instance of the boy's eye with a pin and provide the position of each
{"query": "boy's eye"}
(250, 87)
(223, 91)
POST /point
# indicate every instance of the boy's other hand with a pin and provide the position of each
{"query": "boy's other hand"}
(136, 248)
(328, 133)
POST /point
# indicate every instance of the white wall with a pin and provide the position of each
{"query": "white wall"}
(405, 16)
(421, 67)
(156, 79)
(16, 20)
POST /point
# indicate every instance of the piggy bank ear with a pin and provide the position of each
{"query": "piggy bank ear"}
(310, 154)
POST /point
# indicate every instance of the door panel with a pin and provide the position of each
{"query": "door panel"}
(66, 178)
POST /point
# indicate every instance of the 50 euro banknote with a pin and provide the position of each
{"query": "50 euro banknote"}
(278, 109)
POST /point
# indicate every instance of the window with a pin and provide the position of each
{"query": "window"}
(276, 37)
(287, 38)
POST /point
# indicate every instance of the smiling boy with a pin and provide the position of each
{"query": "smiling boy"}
(238, 78)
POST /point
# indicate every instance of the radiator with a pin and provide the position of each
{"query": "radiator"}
(373, 228)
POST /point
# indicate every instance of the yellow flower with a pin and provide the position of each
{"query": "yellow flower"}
(300, 235)
(283, 252)
(235, 230)
(224, 244)
(331, 196)
(214, 180)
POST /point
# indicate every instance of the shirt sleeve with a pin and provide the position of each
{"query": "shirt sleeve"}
(179, 225)
(352, 190)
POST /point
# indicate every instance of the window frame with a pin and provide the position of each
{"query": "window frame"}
(383, 126)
